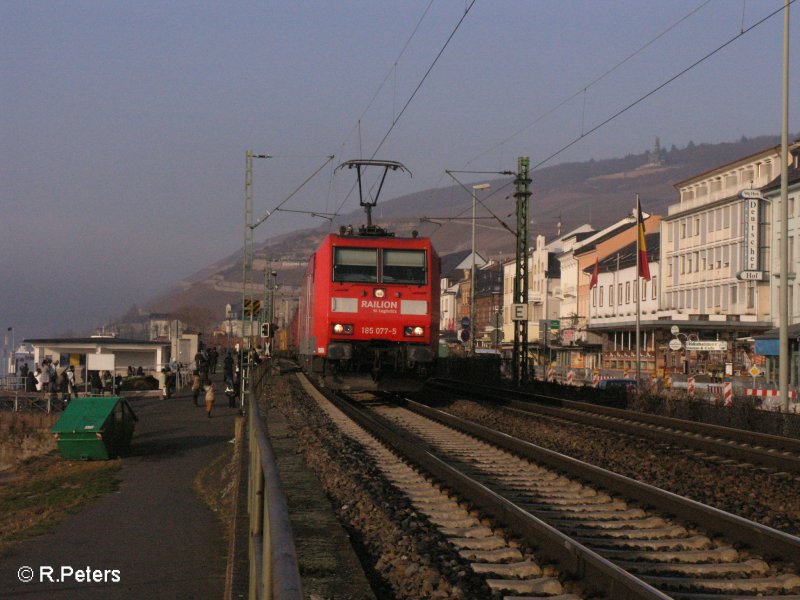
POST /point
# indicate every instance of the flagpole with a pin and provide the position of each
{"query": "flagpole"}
(638, 290)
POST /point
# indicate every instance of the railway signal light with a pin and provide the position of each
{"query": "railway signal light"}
(268, 329)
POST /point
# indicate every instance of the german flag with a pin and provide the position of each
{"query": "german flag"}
(644, 266)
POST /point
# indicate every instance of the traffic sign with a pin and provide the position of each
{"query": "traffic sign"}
(519, 312)
(707, 346)
(464, 335)
(555, 324)
(675, 344)
(464, 322)
(674, 330)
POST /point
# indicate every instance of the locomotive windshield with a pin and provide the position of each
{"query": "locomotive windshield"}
(360, 265)
(404, 266)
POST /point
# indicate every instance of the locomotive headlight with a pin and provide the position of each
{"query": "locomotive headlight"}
(412, 331)
(380, 293)
(343, 328)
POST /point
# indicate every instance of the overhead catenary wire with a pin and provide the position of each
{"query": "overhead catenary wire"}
(583, 90)
(396, 119)
(659, 87)
(590, 131)
(290, 196)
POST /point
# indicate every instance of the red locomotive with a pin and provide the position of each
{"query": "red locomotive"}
(369, 306)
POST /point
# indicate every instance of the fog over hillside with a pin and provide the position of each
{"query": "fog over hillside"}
(596, 192)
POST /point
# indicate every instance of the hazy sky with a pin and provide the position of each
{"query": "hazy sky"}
(124, 125)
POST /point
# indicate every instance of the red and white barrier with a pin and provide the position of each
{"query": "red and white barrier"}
(551, 374)
(690, 387)
(595, 379)
(767, 393)
(727, 394)
(570, 377)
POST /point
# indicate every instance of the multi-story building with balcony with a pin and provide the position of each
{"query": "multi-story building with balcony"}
(716, 261)
(578, 346)
(544, 287)
(768, 345)
(612, 308)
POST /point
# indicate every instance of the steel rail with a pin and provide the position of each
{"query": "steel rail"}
(572, 556)
(773, 544)
(773, 451)
(274, 573)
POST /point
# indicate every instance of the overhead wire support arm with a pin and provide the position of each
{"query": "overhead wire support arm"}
(290, 196)
(328, 216)
(466, 189)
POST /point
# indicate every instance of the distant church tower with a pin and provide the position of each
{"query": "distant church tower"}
(656, 155)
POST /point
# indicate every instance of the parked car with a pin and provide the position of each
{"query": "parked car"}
(628, 385)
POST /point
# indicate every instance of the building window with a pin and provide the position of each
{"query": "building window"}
(689, 261)
(751, 296)
(697, 225)
(611, 295)
(653, 286)
(683, 231)
(619, 294)
(726, 217)
(627, 292)
(601, 295)
(669, 267)
(643, 295)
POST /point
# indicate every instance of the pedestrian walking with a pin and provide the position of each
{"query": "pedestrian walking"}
(44, 377)
(71, 387)
(227, 367)
(209, 397)
(195, 386)
(30, 382)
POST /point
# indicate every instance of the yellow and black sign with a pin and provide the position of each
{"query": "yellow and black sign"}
(252, 308)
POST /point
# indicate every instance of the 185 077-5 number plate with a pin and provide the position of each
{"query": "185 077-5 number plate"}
(379, 331)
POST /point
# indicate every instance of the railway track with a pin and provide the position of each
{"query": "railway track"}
(625, 539)
(769, 451)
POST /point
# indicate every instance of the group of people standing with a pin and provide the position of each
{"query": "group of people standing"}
(205, 363)
(50, 379)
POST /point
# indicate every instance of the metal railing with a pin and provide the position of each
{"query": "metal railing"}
(28, 402)
(274, 573)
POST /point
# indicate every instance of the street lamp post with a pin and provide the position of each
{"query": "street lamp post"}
(472, 312)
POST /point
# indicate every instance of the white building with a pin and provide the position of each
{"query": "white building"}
(716, 259)
(544, 284)
(455, 267)
(772, 193)
(612, 307)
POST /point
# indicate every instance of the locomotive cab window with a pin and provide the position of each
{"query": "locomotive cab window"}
(404, 266)
(358, 265)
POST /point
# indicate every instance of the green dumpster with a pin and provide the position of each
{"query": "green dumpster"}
(95, 428)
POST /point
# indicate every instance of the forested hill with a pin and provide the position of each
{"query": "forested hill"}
(599, 192)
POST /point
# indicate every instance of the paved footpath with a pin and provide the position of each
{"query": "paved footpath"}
(156, 531)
